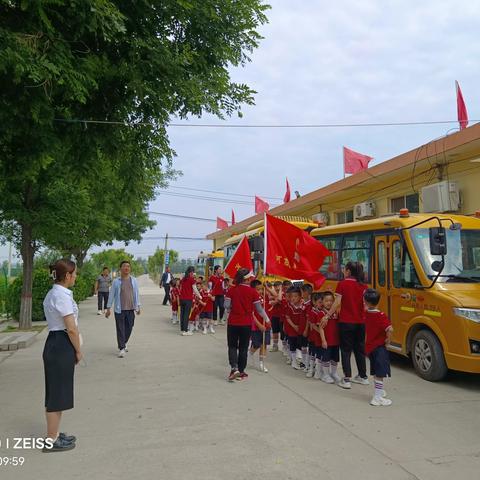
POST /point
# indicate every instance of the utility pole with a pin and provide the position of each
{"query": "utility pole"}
(166, 254)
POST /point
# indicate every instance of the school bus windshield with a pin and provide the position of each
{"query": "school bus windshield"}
(462, 261)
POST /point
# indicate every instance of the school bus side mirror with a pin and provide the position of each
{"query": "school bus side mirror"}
(438, 241)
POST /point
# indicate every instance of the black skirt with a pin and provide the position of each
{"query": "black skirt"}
(59, 365)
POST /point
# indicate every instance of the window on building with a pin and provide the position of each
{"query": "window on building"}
(405, 201)
(344, 217)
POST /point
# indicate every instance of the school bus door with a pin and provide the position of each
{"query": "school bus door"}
(395, 278)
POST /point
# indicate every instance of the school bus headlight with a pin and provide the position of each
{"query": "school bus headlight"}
(472, 314)
(475, 347)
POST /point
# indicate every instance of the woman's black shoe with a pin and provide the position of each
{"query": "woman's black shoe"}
(68, 438)
(60, 445)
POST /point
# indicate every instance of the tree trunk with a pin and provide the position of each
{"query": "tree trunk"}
(27, 251)
(80, 257)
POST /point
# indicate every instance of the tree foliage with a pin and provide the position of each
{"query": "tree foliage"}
(156, 261)
(71, 184)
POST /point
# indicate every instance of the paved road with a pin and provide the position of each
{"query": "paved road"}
(165, 411)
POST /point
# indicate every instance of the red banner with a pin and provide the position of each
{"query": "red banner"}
(292, 253)
(242, 258)
(354, 162)
(260, 205)
(461, 108)
(286, 198)
(221, 223)
(233, 217)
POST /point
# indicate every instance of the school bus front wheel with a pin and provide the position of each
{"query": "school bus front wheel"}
(427, 356)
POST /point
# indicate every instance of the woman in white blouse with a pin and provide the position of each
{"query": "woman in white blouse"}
(61, 353)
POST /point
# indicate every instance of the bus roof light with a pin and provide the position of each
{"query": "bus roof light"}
(404, 213)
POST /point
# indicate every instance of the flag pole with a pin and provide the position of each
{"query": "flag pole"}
(264, 347)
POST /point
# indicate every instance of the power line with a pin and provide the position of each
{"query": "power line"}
(172, 215)
(208, 199)
(233, 125)
(177, 238)
(224, 193)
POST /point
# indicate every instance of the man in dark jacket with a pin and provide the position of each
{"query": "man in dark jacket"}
(165, 283)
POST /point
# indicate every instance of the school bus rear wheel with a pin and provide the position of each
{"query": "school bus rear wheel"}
(427, 356)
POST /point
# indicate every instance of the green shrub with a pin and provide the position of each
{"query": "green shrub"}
(42, 283)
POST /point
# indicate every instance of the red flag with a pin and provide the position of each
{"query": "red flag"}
(233, 217)
(461, 108)
(261, 206)
(221, 223)
(354, 162)
(242, 258)
(286, 198)
(292, 253)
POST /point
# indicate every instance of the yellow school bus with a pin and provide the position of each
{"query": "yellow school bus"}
(206, 262)
(255, 236)
(427, 269)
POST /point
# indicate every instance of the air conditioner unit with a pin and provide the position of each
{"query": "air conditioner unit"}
(365, 210)
(322, 217)
(441, 197)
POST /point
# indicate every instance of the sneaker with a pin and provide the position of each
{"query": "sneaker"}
(121, 353)
(273, 348)
(302, 365)
(67, 438)
(318, 374)
(362, 381)
(59, 445)
(344, 384)
(295, 364)
(242, 376)
(215, 323)
(99, 312)
(234, 374)
(289, 361)
(327, 378)
(212, 330)
(336, 377)
(187, 334)
(204, 331)
(126, 348)
(380, 402)
(262, 367)
(310, 372)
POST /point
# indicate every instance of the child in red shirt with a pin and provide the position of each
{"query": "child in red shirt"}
(307, 305)
(197, 307)
(378, 334)
(174, 300)
(206, 314)
(313, 319)
(260, 331)
(274, 300)
(286, 284)
(330, 354)
(294, 324)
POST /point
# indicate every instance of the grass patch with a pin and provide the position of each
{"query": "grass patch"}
(37, 328)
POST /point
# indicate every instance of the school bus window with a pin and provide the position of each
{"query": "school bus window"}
(382, 268)
(331, 268)
(397, 264)
(356, 248)
(409, 277)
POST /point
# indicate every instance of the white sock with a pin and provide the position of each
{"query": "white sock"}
(326, 368)
(378, 388)
(333, 367)
(312, 361)
(305, 357)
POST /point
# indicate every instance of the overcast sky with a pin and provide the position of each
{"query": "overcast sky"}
(324, 62)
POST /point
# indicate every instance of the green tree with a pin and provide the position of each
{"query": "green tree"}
(155, 262)
(135, 64)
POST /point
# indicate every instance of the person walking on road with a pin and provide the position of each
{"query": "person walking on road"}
(125, 296)
(216, 286)
(241, 302)
(102, 288)
(165, 283)
(351, 323)
(188, 290)
(61, 353)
